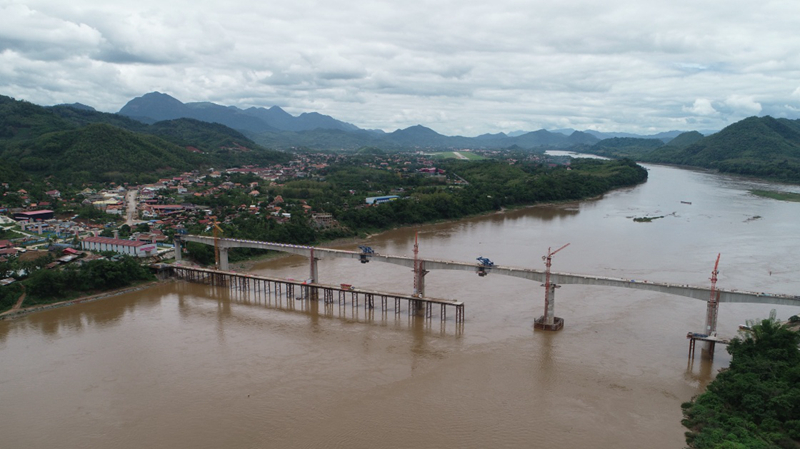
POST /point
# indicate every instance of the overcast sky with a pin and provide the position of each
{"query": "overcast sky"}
(464, 67)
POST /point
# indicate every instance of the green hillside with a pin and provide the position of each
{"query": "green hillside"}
(79, 117)
(624, 147)
(756, 146)
(100, 152)
(20, 120)
(683, 140)
(219, 144)
(80, 144)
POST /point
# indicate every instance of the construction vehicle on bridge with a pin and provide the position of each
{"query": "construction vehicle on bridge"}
(483, 264)
(366, 251)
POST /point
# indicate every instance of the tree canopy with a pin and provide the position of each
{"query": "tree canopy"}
(756, 402)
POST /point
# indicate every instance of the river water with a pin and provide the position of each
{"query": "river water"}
(185, 365)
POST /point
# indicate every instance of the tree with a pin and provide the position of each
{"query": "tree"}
(756, 402)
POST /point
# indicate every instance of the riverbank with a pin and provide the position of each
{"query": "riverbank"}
(780, 196)
(22, 311)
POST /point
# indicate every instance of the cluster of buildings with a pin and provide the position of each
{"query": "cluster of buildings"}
(173, 204)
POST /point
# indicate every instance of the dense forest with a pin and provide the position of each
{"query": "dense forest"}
(755, 403)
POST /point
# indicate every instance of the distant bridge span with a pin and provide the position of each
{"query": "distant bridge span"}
(691, 291)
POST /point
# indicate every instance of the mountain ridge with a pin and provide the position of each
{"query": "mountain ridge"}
(276, 128)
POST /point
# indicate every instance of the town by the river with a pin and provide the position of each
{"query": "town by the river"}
(187, 365)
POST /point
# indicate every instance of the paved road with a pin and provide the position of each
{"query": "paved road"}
(130, 199)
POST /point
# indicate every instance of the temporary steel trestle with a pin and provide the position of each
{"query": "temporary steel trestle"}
(241, 281)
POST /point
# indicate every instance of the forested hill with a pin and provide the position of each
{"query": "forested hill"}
(100, 152)
(756, 146)
(83, 144)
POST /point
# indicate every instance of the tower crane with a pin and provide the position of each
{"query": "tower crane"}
(547, 262)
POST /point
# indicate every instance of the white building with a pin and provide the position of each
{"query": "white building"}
(130, 247)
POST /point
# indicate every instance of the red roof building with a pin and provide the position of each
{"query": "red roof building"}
(130, 247)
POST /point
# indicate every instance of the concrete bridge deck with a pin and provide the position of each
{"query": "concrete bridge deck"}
(691, 291)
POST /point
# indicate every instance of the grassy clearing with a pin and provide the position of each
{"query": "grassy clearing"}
(452, 155)
(782, 196)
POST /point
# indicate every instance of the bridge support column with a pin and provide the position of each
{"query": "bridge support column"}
(313, 276)
(419, 287)
(549, 321)
(177, 250)
(223, 259)
(712, 308)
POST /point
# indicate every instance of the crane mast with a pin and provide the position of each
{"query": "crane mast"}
(713, 301)
(547, 262)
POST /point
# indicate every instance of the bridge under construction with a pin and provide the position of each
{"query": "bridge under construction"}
(549, 280)
(293, 289)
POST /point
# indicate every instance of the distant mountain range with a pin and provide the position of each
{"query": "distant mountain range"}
(77, 141)
(276, 128)
(155, 107)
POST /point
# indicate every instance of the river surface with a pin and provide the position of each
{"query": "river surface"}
(185, 365)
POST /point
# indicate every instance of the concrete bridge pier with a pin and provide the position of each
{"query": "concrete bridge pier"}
(712, 309)
(313, 276)
(178, 252)
(419, 287)
(549, 321)
(223, 258)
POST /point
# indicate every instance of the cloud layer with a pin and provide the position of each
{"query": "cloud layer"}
(460, 67)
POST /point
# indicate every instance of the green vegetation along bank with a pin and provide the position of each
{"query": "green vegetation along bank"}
(46, 286)
(754, 404)
(782, 196)
(474, 187)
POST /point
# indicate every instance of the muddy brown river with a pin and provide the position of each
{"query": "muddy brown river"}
(187, 365)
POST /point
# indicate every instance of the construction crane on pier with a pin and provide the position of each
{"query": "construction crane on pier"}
(547, 262)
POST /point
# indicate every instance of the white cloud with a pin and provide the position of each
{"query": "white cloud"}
(41, 36)
(743, 104)
(702, 106)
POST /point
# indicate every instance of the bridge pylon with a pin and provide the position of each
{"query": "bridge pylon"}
(419, 278)
(549, 321)
(313, 276)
